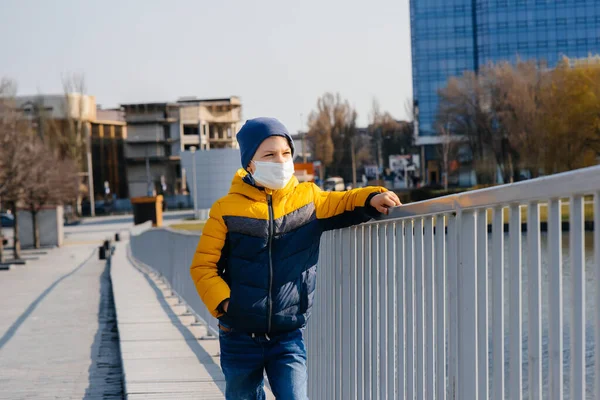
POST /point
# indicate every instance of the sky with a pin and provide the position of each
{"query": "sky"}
(277, 56)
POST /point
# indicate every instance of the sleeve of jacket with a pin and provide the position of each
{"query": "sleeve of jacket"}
(338, 210)
(204, 269)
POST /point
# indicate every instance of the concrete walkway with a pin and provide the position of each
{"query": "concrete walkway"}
(166, 355)
(163, 357)
(57, 329)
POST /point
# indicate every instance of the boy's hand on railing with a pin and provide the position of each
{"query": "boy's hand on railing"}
(383, 201)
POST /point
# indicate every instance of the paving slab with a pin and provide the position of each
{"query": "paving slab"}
(164, 353)
(56, 321)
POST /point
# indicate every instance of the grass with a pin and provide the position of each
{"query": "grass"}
(189, 226)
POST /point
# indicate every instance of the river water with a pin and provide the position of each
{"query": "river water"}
(590, 305)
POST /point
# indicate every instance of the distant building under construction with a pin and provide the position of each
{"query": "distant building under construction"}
(159, 132)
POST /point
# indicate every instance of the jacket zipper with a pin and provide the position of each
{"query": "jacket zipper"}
(271, 229)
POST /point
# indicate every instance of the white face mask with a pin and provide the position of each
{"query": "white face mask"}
(273, 175)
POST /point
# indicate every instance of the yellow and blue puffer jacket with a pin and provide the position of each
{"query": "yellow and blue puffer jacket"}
(260, 249)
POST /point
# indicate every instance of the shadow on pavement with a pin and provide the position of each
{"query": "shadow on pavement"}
(15, 326)
(105, 375)
(198, 350)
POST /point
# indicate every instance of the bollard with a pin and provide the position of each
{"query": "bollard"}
(117, 237)
(101, 253)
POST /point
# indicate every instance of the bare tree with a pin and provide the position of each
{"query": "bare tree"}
(50, 182)
(389, 136)
(332, 130)
(466, 104)
(76, 138)
(447, 150)
(15, 141)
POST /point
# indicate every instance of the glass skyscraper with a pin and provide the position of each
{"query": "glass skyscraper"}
(451, 36)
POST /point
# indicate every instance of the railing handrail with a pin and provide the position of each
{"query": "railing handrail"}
(577, 182)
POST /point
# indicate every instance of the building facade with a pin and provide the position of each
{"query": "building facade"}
(210, 123)
(109, 132)
(50, 116)
(451, 36)
(157, 133)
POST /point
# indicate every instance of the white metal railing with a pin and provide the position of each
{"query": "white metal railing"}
(169, 252)
(405, 312)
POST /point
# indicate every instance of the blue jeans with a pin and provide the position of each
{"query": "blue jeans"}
(244, 360)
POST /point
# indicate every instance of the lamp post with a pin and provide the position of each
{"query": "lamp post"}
(193, 150)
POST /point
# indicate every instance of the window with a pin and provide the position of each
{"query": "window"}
(522, 45)
(541, 22)
(581, 42)
(542, 44)
(522, 24)
(580, 20)
(191, 130)
(561, 43)
(561, 21)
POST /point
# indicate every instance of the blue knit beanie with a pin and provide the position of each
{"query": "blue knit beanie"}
(255, 131)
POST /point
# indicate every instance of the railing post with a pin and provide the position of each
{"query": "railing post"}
(382, 311)
(452, 307)
(429, 323)
(515, 377)
(354, 309)
(347, 308)
(440, 307)
(361, 318)
(400, 311)
(375, 327)
(498, 303)
(419, 314)
(534, 279)
(410, 317)
(390, 268)
(369, 320)
(329, 334)
(467, 311)
(577, 382)
(555, 318)
(338, 312)
(482, 303)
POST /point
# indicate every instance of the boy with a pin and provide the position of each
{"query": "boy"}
(255, 266)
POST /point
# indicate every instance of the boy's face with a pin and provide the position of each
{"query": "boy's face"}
(274, 149)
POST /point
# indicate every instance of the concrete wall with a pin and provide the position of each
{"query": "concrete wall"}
(175, 133)
(136, 177)
(214, 171)
(143, 150)
(50, 222)
(179, 201)
(57, 107)
(145, 132)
